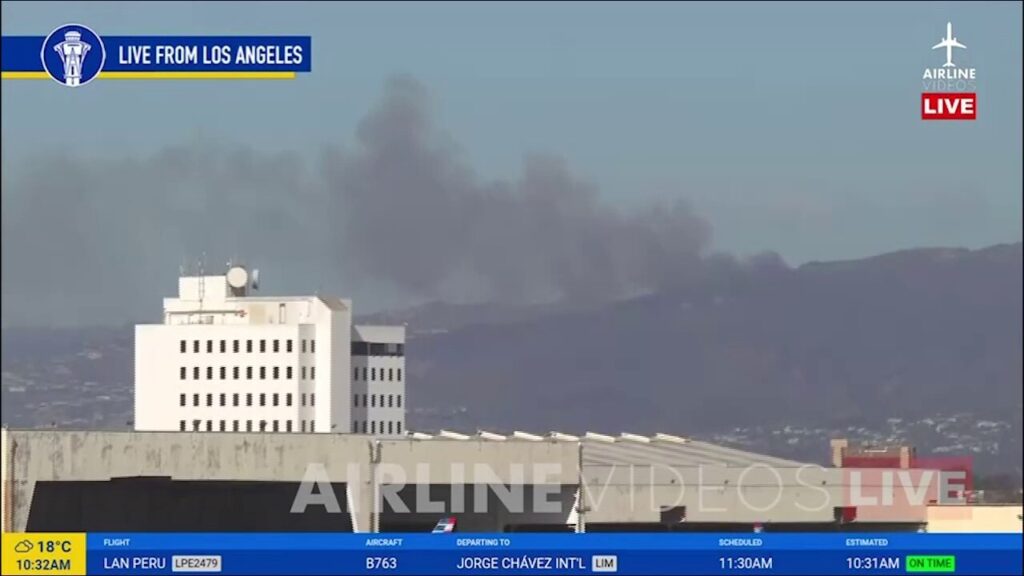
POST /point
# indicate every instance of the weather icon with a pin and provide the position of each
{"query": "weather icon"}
(23, 546)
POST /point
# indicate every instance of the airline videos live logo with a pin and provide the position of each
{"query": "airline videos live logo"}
(950, 90)
(949, 106)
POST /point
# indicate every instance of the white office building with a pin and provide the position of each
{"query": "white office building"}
(224, 360)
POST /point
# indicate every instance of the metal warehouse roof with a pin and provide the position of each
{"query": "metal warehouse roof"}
(659, 449)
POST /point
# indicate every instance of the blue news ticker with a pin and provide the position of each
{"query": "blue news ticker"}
(592, 553)
(125, 53)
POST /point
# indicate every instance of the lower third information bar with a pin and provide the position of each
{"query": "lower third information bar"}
(435, 554)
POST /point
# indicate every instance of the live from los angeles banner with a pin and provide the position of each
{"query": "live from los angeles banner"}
(74, 55)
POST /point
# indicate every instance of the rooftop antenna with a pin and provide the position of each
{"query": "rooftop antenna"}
(202, 281)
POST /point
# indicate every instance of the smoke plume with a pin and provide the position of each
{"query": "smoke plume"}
(397, 210)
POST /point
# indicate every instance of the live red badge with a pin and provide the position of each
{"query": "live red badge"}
(949, 105)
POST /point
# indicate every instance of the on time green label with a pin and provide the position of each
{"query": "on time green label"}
(931, 563)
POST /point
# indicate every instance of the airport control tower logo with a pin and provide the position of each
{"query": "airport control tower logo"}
(73, 55)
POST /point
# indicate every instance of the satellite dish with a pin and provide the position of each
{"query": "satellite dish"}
(256, 279)
(238, 277)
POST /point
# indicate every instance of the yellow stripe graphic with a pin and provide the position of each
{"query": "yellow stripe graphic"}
(24, 75)
(164, 75)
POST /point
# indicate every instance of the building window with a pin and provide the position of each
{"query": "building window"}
(391, 399)
(312, 346)
(209, 372)
(182, 400)
(195, 425)
(355, 374)
(234, 426)
(223, 400)
(288, 399)
(248, 372)
(312, 372)
(248, 425)
(390, 423)
(263, 399)
(181, 423)
(312, 399)
(275, 425)
(373, 374)
(248, 399)
(195, 373)
(355, 426)
(263, 372)
(209, 425)
(277, 372)
(182, 373)
(373, 427)
(364, 426)
(223, 349)
(209, 399)
(263, 425)
(399, 375)
(288, 423)
(398, 427)
(303, 351)
(360, 349)
(373, 400)
(248, 346)
(234, 372)
(234, 401)
(303, 372)
(288, 348)
(195, 346)
(303, 425)
(364, 374)
(184, 348)
(391, 374)
(277, 345)
(312, 425)
(195, 399)
(364, 400)
(355, 400)
(288, 373)
(223, 425)
(234, 348)
(398, 400)
(263, 346)
(223, 373)
(209, 346)
(303, 399)
(275, 398)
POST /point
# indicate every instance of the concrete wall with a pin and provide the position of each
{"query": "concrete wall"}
(36, 456)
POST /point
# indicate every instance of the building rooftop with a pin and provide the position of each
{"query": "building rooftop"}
(625, 448)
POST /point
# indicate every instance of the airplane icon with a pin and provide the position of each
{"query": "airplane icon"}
(949, 42)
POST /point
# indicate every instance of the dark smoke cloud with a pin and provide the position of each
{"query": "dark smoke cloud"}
(87, 241)
(418, 216)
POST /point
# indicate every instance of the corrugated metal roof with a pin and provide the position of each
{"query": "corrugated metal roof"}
(673, 453)
(624, 449)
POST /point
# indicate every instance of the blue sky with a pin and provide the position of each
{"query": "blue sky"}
(790, 126)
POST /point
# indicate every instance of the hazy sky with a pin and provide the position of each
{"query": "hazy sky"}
(787, 127)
